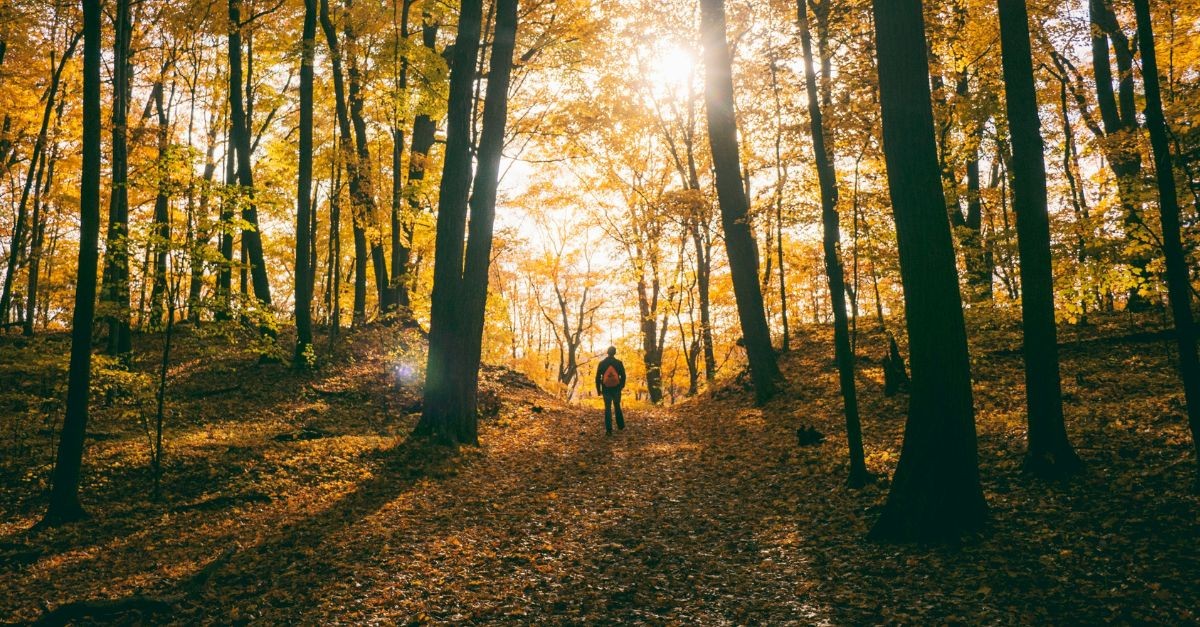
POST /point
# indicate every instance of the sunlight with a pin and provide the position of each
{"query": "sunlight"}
(671, 68)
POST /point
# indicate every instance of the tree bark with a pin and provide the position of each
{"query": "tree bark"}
(304, 266)
(739, 239)
(1179, 287)
(935, 492)
(240, 134)
(1050, 453)
(460, 289)
(64, 493)
(827, 179)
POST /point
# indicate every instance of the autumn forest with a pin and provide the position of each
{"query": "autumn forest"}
(309, 311)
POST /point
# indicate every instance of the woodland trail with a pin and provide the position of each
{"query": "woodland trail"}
(553, 521)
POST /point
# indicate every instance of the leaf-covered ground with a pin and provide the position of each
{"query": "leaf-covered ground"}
(296, 498)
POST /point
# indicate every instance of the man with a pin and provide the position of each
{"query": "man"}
(610, 380)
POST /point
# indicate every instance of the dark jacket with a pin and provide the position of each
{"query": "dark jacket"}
(604, 364)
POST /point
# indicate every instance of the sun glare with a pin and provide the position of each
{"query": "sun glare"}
(672, 68)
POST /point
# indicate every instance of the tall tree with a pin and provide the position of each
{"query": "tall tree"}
(304, 234)
(1179, 287)
(1118, 141)
(115, 294)
(1050, 452)
(239, 132)
(349, 160)
(827, 179)
(739, 239)
(935, 492)
(366, 212)
(64, 493)
(460, 285)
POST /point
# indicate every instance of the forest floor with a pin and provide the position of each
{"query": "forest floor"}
(296, 498)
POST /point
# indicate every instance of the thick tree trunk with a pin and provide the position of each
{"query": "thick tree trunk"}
(304, 234)
(1179, 287)
(64, 492)
(1050, 452)
(240, 134)
(935, 492)
(827, 178)
(460, 289)
(739, 240)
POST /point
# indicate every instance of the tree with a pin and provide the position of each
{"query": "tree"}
(1179, 287)
(239, 133)
(460, 285)
(739, 239)
(827, 177)
(1050, 452)
(64, 493)
(935, 492)
(304, 233)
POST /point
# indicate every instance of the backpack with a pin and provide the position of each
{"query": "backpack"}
(611, 378)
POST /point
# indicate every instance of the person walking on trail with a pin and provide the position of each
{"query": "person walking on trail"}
(610, 380)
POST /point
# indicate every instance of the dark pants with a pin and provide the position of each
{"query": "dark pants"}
(612, 399)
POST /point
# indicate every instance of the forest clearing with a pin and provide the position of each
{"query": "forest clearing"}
(313, 507)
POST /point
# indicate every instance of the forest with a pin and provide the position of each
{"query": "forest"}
(306, 307)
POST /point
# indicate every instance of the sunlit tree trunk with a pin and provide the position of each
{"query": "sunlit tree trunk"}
(1050, 453)
(827, 178)
(1178, 284)
(739, 240)
(64, 492)
(935, 492)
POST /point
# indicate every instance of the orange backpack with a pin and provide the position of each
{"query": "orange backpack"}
(611, 378)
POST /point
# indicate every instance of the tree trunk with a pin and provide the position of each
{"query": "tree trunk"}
(1050, 452)
(240, 134)
(935, 492)
(460, 290)
(38, 238)
(162, 224)
(739, 240)
(367, 214)
(827, 178)
(1179, 287)
(1118, 114)
(64, 493)
(304, 234)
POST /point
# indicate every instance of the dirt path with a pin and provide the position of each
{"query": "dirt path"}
(550, 519)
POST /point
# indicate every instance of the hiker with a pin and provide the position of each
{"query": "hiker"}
(610, 380)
